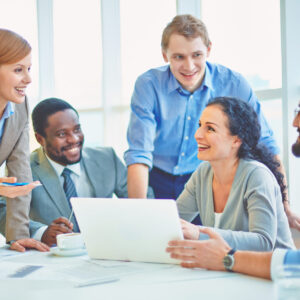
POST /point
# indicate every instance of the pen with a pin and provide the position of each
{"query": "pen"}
(71, 215)
(95, 282)
(14, 184)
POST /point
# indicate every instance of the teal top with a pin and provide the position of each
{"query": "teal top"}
(8, 111)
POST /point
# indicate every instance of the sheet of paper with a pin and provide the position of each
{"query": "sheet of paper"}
(81, 273)
(84, 271)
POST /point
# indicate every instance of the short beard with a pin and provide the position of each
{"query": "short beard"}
(296, 149)
(63, 159)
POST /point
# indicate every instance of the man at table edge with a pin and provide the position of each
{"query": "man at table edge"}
(216, 254)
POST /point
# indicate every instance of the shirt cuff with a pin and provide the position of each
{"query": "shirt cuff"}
(277, 260)
(203, 236)
(39, 233)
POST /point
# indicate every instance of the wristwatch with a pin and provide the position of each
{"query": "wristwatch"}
(228, 260)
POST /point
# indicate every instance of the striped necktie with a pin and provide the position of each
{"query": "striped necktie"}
(70, 192)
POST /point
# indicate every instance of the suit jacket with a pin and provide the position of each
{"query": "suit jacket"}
(14, 149)
(107, 175)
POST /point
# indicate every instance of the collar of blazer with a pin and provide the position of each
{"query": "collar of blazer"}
(44, 172)
(13, 128)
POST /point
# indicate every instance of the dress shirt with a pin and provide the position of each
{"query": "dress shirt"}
(78, 175)
(164, 117)
(278, 257)
(8, 111)
(81, 182)
(282, 257)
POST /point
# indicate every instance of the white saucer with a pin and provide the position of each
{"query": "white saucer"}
(71, 252)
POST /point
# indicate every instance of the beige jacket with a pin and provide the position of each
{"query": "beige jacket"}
(14, 149)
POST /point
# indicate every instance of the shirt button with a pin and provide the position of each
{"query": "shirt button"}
(186, 138)
(182, 154)
(191, 97)
(189, 118)
(176, 167)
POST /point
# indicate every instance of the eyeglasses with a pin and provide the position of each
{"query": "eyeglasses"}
(297, 111)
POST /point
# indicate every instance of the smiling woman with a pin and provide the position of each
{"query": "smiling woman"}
(15, 64)
(238, 190)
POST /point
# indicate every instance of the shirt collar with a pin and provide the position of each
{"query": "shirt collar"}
(9, 110)
(75, 168)
(207, 80)
(173, 84)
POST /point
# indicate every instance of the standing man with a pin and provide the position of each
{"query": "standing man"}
(165, 108)
(216, 254)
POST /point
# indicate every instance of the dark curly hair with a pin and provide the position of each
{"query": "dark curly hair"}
(243, 122)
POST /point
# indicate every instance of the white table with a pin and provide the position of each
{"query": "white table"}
(163, 282)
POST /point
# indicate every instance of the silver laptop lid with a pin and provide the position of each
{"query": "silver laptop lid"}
(128, 229)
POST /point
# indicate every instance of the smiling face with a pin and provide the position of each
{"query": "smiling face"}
(14, 79)
(63, 137)
(296, 124)
(187, 58)
(215, 143)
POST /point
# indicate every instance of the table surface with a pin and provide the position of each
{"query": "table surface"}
(151, 281)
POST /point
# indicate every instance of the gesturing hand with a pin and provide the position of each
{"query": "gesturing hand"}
(15, 191)
(206, 254)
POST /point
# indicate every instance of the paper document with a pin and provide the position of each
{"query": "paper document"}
(83, 273)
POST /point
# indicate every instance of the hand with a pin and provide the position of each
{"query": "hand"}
(15, 191)
(206, 254)
(58, 226)
(189, 230)
(21, 245)
(294, 219)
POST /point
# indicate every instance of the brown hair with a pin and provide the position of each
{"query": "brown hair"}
(186, 25)
(12, 47)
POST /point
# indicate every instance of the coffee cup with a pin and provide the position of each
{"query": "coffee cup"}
(69, 241)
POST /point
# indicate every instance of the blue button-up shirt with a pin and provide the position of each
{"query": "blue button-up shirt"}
(9, 110)
(164, 117)
(292, 257)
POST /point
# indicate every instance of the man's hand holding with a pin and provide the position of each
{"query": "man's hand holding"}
(58, 226)
(206, 254)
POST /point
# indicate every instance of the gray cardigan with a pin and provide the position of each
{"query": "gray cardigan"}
(253, 217)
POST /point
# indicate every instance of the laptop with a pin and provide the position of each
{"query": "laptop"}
(128, 229)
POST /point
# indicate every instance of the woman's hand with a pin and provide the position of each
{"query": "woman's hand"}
(22, 244)
(189, 230)
(15, 191)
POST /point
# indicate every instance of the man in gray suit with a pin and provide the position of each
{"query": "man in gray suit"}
(95, 172)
